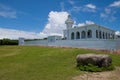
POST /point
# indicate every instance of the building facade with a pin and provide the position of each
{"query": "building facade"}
(91, 31)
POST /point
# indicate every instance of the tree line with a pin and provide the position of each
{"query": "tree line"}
(8, 42)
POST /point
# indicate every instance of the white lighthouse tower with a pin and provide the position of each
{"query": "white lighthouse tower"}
(69, 22)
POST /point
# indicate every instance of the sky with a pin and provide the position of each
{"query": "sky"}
(42, 18)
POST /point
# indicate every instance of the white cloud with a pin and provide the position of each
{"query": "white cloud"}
(7, 12)
(91, 6)
(81, 24)
(71, 2)
(85, 8)
(56, 24)
(76, 9)
(115, 4)
(117, 32)
(81, 8)
(87, 22)
(15, 34)
(108, 14)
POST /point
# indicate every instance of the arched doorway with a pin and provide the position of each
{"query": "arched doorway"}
(103, 35)
(77, 35)
(72, 35)
(83, 35)
(89, 34)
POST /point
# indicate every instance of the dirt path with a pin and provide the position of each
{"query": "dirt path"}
(109, 75)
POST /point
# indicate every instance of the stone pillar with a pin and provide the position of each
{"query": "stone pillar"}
(86, 36)
(98, 32)
(94, 34)
(69, 34)
(80, 35)
(101, 35)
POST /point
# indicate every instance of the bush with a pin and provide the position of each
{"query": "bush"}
(93, 68)
(8, 42)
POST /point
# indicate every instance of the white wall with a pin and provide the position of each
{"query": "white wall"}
(95, 44)
(37, 42)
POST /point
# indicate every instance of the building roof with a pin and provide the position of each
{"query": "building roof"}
(92, 25)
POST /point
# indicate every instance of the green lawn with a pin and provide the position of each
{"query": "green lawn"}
(41, 63)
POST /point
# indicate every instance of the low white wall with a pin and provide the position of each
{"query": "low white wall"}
(37, 42)
(96, 44)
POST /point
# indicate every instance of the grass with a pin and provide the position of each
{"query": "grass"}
(41, 63)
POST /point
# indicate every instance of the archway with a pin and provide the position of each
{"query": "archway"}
(83, 35)
(103, 35)
(72, 36)
(89, 34)
(77, 35)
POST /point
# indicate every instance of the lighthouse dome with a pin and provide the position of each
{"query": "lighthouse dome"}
(69, 20)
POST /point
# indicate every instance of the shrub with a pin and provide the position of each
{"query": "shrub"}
(8, 42)
(93, 68)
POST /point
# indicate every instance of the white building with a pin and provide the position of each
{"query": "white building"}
(54, 38)
(91, 36)
(92, 31)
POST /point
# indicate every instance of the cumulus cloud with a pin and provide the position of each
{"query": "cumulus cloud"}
(91, 6)
(7, 12)
(56, 24)
(115, 4)
(86, 23)
(117, 32)
(15, 34)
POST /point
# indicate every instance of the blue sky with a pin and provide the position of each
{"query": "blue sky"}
(41, 17)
